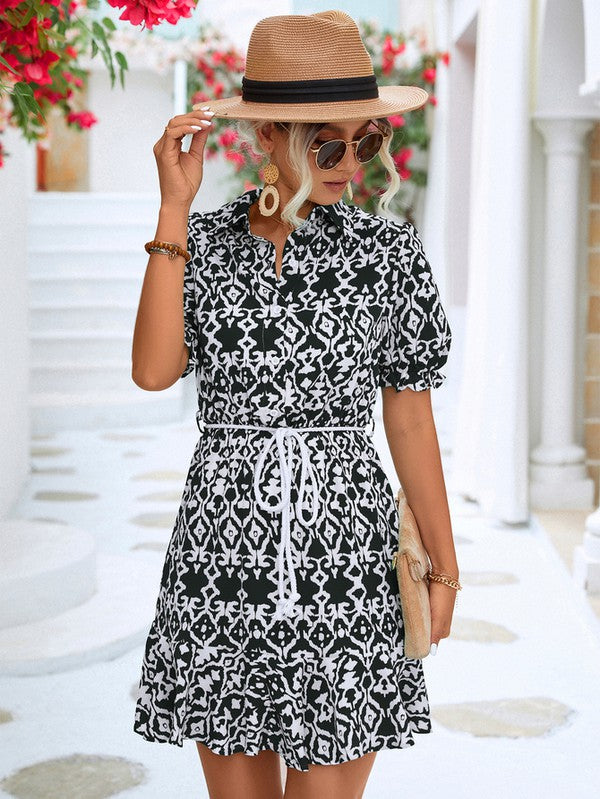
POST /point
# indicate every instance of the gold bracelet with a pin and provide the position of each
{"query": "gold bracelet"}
(167, 248)
(438, 577)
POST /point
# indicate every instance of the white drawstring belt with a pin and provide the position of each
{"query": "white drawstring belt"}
(285, 606)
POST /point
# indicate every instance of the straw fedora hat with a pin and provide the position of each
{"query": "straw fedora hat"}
(312, 68)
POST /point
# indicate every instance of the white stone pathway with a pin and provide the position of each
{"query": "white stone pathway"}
(515, 692)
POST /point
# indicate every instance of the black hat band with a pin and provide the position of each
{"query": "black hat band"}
(325, 90)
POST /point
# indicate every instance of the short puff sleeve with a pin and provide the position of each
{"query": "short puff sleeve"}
(190, 319)
(416, 335)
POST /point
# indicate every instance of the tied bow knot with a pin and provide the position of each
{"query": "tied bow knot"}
(283, 438)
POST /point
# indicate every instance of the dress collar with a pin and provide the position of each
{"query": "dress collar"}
(234, 214)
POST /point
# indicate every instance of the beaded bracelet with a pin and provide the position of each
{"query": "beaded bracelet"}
(167, 248)
(439, 577)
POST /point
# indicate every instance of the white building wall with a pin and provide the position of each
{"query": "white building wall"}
(16, 183)
(130, 121)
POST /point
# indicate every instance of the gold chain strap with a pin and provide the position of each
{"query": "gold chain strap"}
(439, 577)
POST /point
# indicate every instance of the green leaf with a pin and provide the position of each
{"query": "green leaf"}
(109, 24)
(98, 30)
(121, 60)
(94, 48)
(28, 15)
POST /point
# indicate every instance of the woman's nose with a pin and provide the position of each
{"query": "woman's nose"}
(350, 154)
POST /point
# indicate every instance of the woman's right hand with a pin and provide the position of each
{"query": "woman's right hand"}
(180, 173)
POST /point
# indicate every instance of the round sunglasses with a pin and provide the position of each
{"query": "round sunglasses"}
(329, 154)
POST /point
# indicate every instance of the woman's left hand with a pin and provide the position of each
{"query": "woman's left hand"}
(441, 600)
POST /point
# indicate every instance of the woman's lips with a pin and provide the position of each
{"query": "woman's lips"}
(333, 185)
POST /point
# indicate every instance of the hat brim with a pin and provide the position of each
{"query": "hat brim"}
(391, 100)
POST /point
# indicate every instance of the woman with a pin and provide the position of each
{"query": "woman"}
(278, 628)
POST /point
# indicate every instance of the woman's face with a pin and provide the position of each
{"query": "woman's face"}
(323, 192)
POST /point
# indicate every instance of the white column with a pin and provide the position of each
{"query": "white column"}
(558, 472)
(436, 196)
(180, 87)
(490, 453)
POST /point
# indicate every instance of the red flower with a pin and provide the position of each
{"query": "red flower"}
(397, 121)
(45, 93)
(200, 97)
(38, 71)
(153, 12)
(236, 158)
(429, 75)
(228, 137)
(81, 119)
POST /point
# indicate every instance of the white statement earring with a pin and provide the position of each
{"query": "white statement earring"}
(271, 173)
(349, 189)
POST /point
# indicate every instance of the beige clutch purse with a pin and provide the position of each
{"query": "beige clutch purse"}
(412, 564)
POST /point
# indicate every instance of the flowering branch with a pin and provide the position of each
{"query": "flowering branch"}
(41, 43)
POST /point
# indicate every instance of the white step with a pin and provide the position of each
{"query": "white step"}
(81, 315)
(77, 346)
(113, 621)
(52, 411)
(74, 377)
(90, 285)
(52, 207)
(45, 569)
(119, 233)
(86, 264)
(45, 260)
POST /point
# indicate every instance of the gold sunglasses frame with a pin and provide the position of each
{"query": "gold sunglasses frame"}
(355, 142)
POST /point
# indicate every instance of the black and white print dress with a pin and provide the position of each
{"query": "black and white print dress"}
(278, 623)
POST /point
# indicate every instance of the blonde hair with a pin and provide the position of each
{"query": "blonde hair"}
(300, 137)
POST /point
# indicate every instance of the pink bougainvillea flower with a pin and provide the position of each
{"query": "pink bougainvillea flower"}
(44, 93)
(81, 119)
(200, 97)
(228, 137)
(72, 79)
(432, 99)
(38, 71)
(397, 121)
(429, 75)
(13, 61)
(6, 4)
(153, 12)
(391, 48)
(237, 159)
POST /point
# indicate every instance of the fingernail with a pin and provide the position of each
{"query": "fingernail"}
(433, 649)
(205, 122)
(209, 113)
(205, 107)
